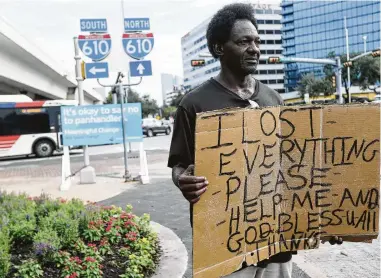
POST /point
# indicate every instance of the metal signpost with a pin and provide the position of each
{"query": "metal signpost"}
(120, 86)
(96, 46)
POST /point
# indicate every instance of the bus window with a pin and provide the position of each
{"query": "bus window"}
(24, 121)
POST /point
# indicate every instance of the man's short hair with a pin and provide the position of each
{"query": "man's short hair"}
(221, 24)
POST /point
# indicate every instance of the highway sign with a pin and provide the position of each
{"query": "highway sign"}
(138, 45)
(96, 70)
(96, 47)
(140, 68)
(136, 24)
(100, 124)
(94, 25)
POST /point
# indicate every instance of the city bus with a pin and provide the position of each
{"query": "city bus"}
(32, 127)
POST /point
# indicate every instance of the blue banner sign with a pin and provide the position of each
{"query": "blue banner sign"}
(100, 124)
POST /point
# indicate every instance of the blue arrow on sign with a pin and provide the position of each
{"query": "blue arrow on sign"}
(136, 24)
(94, 25)
(138, 45)
(96, 70)
(140, 68)
(96, 47)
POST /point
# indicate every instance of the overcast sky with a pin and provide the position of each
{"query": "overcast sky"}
(52, 24)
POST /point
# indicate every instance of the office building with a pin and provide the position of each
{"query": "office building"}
(269, 23)
(312, 29)
(170, 85)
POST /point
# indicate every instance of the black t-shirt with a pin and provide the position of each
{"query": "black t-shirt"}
(210, 96)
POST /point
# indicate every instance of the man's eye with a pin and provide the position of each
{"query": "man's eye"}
(244, 42)
(257, 42)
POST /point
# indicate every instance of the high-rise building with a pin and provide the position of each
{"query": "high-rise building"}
(313, 29)
(269, 24)
(170, 85)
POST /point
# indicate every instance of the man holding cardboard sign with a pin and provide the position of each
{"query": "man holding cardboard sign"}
(233, 38)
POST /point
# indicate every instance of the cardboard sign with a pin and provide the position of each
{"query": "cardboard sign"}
(281, 179)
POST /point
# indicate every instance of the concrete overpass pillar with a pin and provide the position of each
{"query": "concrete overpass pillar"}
(72, 93)
(31, 95)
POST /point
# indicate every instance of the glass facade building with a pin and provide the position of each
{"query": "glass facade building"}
(312, 29)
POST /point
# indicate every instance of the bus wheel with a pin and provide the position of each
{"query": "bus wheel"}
(43, 148)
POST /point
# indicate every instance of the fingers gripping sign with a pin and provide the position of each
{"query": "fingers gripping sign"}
(192, 187)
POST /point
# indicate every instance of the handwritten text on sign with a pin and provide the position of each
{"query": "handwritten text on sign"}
(281, 178)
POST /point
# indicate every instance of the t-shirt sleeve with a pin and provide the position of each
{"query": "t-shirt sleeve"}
(182, 145)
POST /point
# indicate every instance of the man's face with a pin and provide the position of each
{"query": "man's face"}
(241, 52)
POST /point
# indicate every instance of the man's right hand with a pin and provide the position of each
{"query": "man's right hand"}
(192, 187)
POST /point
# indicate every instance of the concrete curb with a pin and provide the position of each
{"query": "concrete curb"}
(174, 260)
(308, 268)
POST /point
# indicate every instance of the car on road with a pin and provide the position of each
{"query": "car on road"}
(152, 127)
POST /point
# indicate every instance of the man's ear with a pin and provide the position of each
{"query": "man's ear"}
(218, 49)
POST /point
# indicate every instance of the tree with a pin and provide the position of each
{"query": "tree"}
(149, 106)
(169, 111)
(365, 71)
(314, 87)
(133, 97)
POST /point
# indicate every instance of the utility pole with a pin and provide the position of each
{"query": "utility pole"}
(348, 69)
(338, 79)
(87, 174)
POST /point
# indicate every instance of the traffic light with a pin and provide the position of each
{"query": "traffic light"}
(348, 64)
(198, 63)
(334, 81)
(376, 53)
(274, 60)
(83, 73)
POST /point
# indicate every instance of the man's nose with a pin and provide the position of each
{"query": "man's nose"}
(253, 49)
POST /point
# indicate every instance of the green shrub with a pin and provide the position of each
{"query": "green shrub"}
(5, 256)
(65, 226)
(29, 269)
(45, 243)
(74, 237)
(21, 214)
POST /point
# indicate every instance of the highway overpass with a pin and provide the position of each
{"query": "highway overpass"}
(25, 69)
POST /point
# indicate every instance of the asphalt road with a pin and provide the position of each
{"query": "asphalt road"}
(159, 142)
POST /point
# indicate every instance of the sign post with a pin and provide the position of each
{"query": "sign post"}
(87, 174)
(96, 46)
(127, 174)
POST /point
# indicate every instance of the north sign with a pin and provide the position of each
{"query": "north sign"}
(96, 47)
(136, 24)
(138, 45)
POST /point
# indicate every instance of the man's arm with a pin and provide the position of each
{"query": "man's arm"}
(177, 171)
